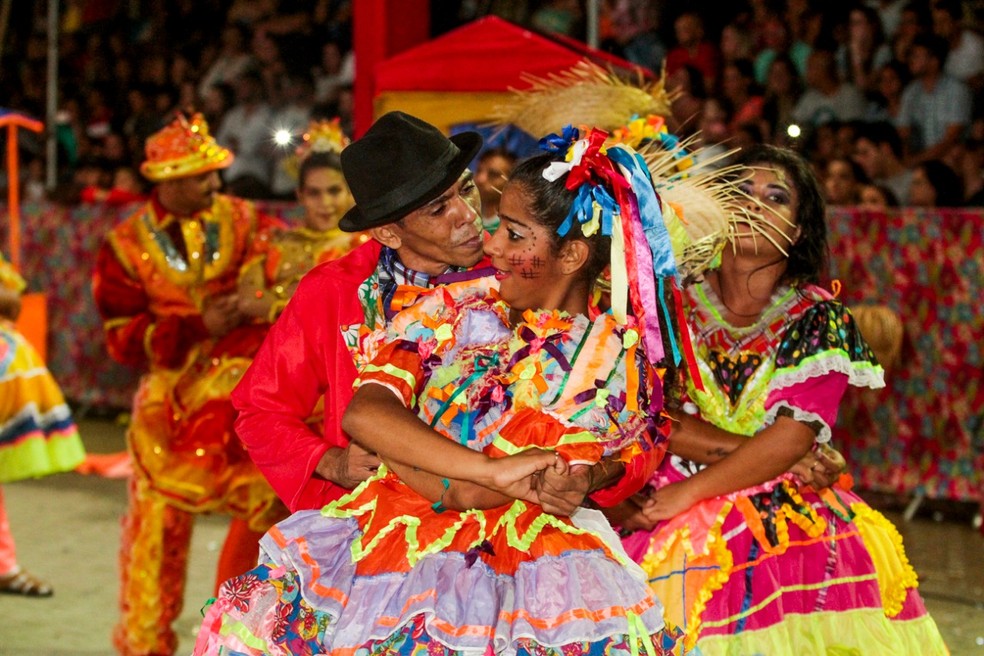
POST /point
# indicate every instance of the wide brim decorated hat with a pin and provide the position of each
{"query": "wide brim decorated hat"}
(399, 165)
(183, 148)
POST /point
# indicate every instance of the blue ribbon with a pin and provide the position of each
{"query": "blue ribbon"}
(668, 322)
(650, 213)
(582, 209)
(559, 144)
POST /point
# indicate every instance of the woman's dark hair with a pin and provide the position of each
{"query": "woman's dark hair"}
(807, 257)
(947, 183)
(550, 203)
(318, 160)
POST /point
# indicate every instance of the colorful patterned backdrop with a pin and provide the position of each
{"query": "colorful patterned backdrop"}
(924, 432)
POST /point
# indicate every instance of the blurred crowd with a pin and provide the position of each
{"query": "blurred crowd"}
(883, 96)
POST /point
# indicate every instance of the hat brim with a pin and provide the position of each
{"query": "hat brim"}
(469, 143)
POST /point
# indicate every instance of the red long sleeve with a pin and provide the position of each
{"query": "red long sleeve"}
(303, 358)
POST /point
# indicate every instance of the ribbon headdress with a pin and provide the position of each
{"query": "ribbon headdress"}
(616, 198)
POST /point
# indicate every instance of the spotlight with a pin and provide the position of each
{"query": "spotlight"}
(793, 131)
(282, 137)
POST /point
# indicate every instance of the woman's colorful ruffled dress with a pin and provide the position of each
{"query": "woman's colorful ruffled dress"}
(383, 571)
(38, 436)
(778, 569)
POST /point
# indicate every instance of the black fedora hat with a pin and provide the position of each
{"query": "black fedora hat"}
(400, 164)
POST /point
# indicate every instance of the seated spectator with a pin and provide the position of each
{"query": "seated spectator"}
(634, 33)
(246, 130)
(826, 98)
(889, 13)
(127, 187)
(692, 47)
(878, 150)
(735, 43)
(842, 180)
(491, 174)
(915, 19)
(559, 16)
(885, 100)
(782, 89)
(936, 108)
(231, 61)
(965, 61)
(970, 165)
(876, 198)
(335, 70)
(715, 137)
(865, 51)
(747, 135)
(738, 86)
(290, 117)
(687, 85)
(779, 41)
(934, 184)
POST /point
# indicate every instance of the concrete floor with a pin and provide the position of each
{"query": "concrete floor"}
(67, 531)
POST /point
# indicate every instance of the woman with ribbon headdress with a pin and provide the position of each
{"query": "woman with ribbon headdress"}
(477, 392)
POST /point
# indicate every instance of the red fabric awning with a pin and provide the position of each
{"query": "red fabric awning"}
(489, 54)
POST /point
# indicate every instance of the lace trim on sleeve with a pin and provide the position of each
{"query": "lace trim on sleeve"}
(811, 419)
(859, 373)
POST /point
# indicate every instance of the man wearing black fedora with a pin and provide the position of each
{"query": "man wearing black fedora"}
(414, 196)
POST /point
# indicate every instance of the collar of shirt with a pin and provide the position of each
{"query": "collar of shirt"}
(393, 273)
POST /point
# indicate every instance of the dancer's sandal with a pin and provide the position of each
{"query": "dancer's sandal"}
(25, 584)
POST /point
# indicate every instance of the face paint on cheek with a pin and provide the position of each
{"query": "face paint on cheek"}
(516, 260)
(528, 274)
(537, 262)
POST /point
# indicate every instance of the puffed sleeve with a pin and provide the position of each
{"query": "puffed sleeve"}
(820, 355)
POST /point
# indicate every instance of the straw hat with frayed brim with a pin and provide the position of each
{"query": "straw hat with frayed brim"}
(183, 148)
(399, 165)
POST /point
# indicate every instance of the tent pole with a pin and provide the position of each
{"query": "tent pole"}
(13, 196)
(51, 144)
(593, 23)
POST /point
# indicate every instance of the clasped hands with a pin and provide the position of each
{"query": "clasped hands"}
(545, 478)
(818, 469)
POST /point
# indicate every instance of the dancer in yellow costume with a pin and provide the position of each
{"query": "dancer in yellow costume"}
(165, 285)
(269, 280)
(37, 434)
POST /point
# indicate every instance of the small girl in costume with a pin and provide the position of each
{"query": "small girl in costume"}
(37, 434)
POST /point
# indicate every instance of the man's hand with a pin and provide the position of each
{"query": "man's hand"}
(221, 314)
(562, 488)
(347, 466)
(821, 468)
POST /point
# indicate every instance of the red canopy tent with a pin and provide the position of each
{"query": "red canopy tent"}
(461, 75)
